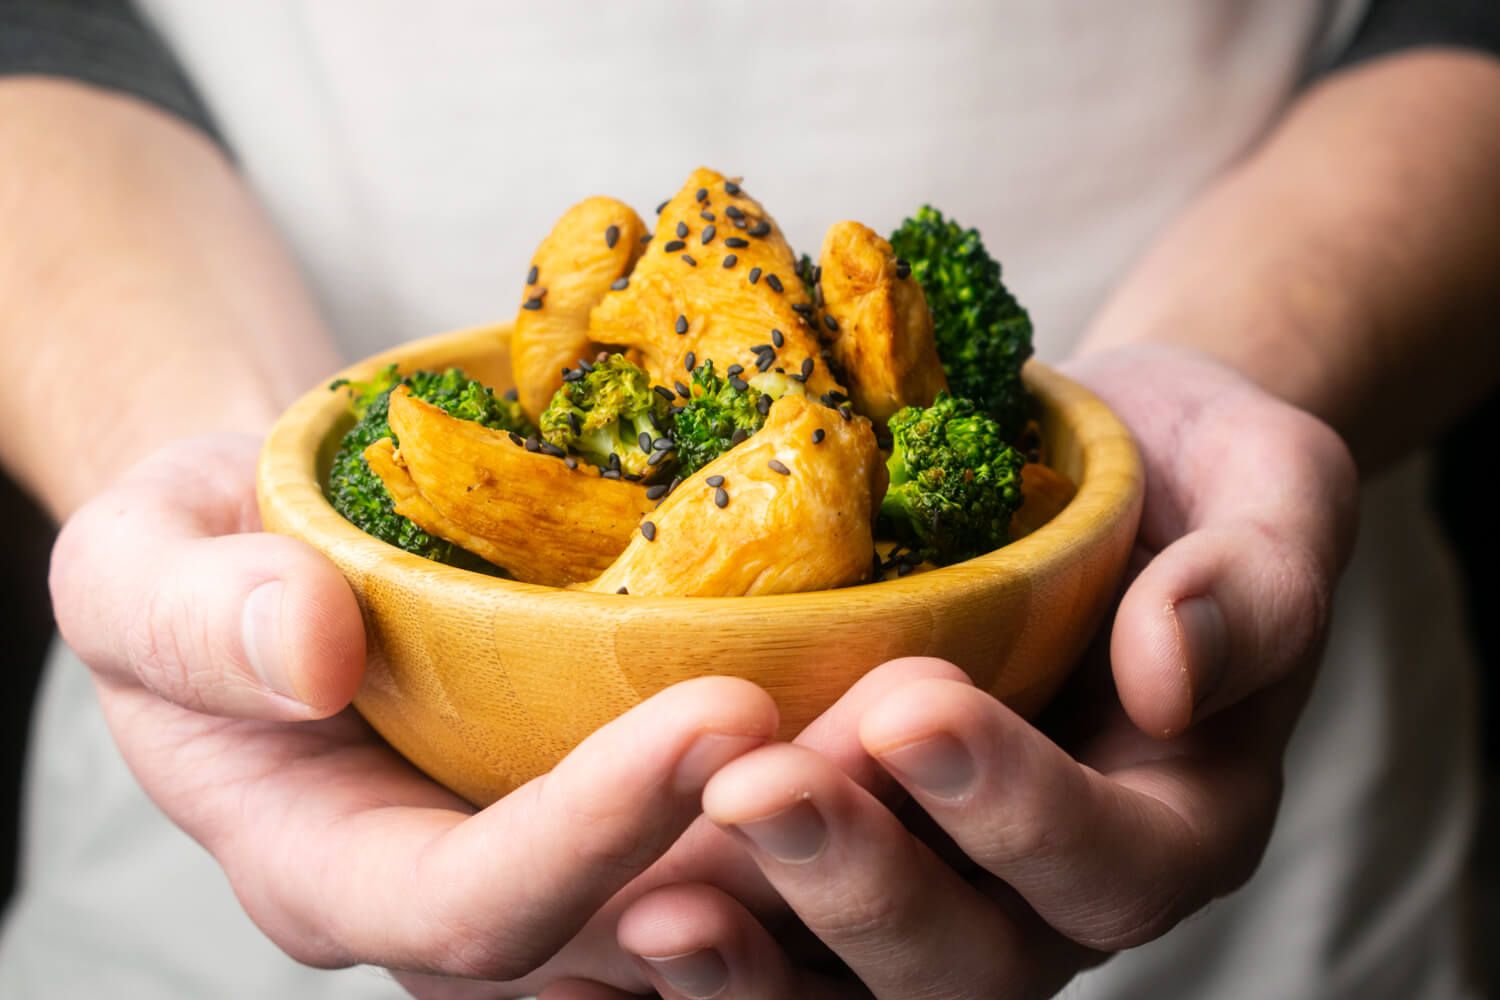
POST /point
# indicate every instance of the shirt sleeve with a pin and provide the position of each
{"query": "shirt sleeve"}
(106, 43)
(1391, 26)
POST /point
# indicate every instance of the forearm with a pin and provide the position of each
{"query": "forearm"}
(143, 296)
(1351, 264)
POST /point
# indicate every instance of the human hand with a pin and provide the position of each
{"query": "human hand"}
(1049, 854)
(224, 659)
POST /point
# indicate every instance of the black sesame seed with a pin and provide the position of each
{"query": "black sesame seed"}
(612, 236)
(622, 590)
(551, 449)
(903, 269)
(774, 282)
(619, 284)
(708, 234)
(733, 211)
(904, 569)
(682, 230)
(610, 474)
(826, 399)
(682, 390)
(846, 413)
(762, 348)
(532, 444)
(702, 194)
(736, 242)
(672, 486)
(644, 441)
(646, 239)
(761, 228)
(672, 246)
(584, 364)
(730, 261)
(656, 492)
(690, 362)
(807, 367)
(663, 444)
(707, 216)
(571, 462)
(515, 438)
(689, 261)
(776, 466)
(721, 497)
(614, 461)
(681, 326)
(780, 370)
(532, 305)
(802, 309)
(754, 277)
(730, 187)
(531, 275)
(819, 435)
(831, 323)
(740, 223)
(765, 361)
(796, 376)
(817, 273)
(778, 338)
(512, 395)
(738, 437)
(663, 206)
(715, 480)
(763, 404)
(738, 384)
(663, 392)
(734, 370)
(657, 457)
(574, 424)
(576, 375)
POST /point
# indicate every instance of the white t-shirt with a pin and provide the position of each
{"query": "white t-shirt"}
(414, 155)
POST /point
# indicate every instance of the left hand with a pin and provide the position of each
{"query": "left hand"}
(1063, 851)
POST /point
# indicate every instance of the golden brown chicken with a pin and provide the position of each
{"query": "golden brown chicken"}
(533, 514)
(881, 325)
(591, 249)
(717, 280)
(789, 510)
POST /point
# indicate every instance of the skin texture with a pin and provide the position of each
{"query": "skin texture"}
(226, 698)
(726, 314)
(884, 342)
(824, 507)
(575, 265)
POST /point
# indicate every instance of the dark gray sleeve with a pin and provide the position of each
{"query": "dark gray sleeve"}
(1392, 26)
(106, 43)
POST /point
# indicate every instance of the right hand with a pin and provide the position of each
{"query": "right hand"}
(225, 659)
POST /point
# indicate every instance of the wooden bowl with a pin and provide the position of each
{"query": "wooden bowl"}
(485, 683)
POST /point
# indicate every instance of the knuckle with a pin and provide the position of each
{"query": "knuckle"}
(153, 649)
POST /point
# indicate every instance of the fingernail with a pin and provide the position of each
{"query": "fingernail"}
(1206, 639)
(260, 632)
(698, 974)
(941, 766)
(793, 836)
(708, 753)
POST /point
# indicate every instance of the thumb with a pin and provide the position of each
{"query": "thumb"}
(164, 580)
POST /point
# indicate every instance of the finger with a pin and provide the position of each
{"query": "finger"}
(904, 922)
(1110, 860)
(1251, 504)
(694, 941)
(348, 876)
(162, 580)
(583, 989)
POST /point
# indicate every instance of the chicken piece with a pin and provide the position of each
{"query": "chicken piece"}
(793, 512)
(1044, 493)
(882, 328)
(538, 519)
(594, 245)
(715, 289)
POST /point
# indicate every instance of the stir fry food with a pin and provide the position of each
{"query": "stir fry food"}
(699, 412)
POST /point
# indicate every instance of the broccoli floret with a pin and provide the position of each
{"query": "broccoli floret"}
(955, 481)
(608, 413)
(724, 411)
(357, 492)
(808, 272)
(983, 334)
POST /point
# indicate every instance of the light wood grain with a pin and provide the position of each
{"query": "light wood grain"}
(486, 683)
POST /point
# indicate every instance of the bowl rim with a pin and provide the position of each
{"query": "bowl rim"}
(290, 493)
